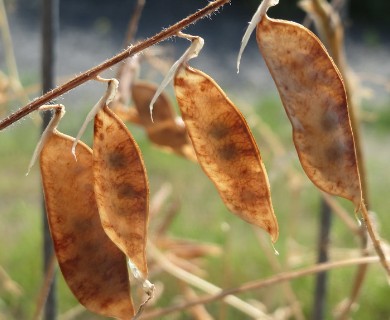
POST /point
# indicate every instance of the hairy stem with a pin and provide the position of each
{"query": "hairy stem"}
(93, 72)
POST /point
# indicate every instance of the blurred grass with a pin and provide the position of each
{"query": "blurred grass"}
(201, 216)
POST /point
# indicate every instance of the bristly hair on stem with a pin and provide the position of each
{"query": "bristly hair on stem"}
(95, 71)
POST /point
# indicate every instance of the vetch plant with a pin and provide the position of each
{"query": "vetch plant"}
(97, 199)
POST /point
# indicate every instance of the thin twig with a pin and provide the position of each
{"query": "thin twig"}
(375, 239)
(95, 71)
(198, 312)
(258, 284)
(202, 284)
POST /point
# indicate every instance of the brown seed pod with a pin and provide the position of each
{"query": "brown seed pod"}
(314, 98)
(93, 267)
(125, 113)
(225, 148)
(142, 93)
(165, 131)
(121, 187)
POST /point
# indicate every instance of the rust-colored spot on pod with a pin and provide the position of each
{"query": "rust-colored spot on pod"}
(313, 95)
(225, 148)
(121, 187)
(93, 267)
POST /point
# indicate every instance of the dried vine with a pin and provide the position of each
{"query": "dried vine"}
(95, 71)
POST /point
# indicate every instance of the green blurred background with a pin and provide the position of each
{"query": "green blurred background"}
(92, 31)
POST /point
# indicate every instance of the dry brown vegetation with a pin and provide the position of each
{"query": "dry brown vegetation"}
(110, 242)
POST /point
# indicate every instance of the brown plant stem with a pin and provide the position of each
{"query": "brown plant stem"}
(263, 283)
(375, 239)
(95, 71)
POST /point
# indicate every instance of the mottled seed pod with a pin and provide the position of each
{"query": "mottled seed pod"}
(225, 148)
(121, 187)
(93, 267)
(313, 95)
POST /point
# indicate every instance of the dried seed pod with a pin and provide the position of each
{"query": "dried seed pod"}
(93, 267)
(314, 98)
(225, 148)
(142, 93)
(165, 130)
(125, 113)
(121, 187)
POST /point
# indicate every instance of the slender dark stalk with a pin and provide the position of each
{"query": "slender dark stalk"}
(95, 71)
(321, 289)
(50, 26)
